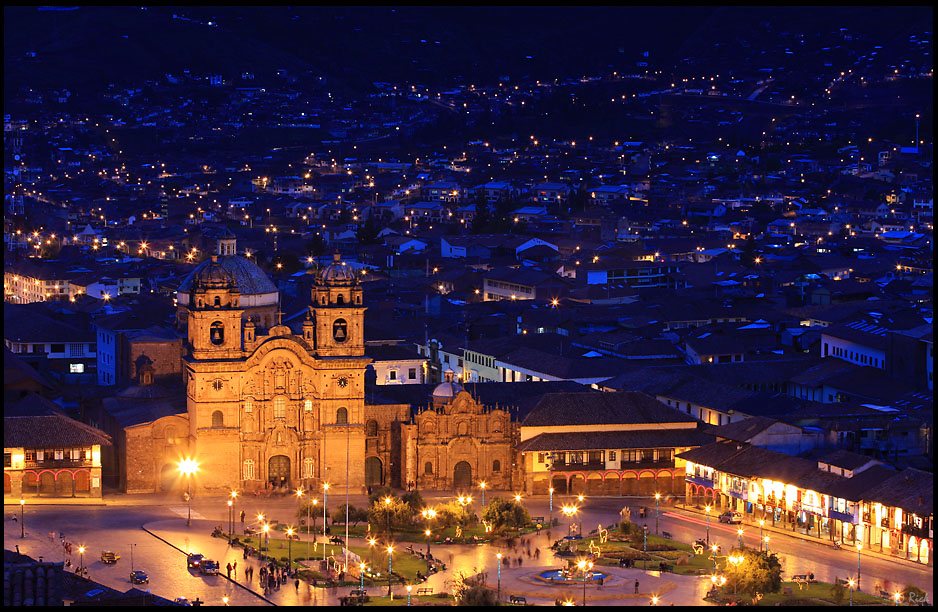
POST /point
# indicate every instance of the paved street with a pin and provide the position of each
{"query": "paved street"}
(157, 525)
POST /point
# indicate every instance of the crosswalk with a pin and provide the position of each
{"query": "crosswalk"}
(183, 511)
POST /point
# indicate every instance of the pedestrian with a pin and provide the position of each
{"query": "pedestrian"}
(297, 585)
(519, 561)
(600, 583)
(242, 517)
(14, 520)
(636, 586)
(228, 567)
(537, 553)
(52, 536)
(236, 569)
(538, 527)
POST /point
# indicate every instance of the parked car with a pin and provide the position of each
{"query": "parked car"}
(195, 559)
(139, 577)
(108, 557)
(209, 567)
(182, 601)
(734, 518)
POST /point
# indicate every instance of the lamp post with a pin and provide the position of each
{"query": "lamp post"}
(224, 599)
(371, 543)
(266, 540)
(299, 496)
(429, 514)
(897, 596)
(387, 518)
(464, 501)
(584, 566)
(390, 550)
(290, 546)
(859, 548)
(230, 521)
(189, 467)
(714, 557)
(22, 518)
(81, 562)
(657, 499)
(498, 595)
(708, 524)
(361, 567)
(234, 507)
(132, 547)
(851, 583)
(761, 524)
(569, 511)
(766, 538)
(551, 492)
(325, 503)
(739, 533)
(482, 486)
(735, 560)
(580, 500)
(408, 594)
(645, 547)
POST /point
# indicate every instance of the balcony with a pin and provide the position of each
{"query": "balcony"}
(638, 465)
(57, 463)
(884, 522)
(571, 467)
(918, 532)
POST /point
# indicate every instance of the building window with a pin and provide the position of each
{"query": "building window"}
(218, 419)
(428, 468)
(170, 435)
(392, 374)
(7, 460)
(612, 455)
(249, 405)
(57, 348)
(217, 333)
(341, 416)
(308, 467)
(59, 454)
(371, 428)
(412, 374)
(30, 455)
(496, 466)
(307, 405)
(280, 408)
(40, 455)
(249, 469)
(541, 457)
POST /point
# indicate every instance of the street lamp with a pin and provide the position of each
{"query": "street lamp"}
(429, 514)
(498, 595)
(859, 548)
(387, 518)
(714, 557)
(851, 583)
(569, 511)
(761, 524)
(390, 550)
(189, 467)
(230, 519)
(766, 538)
(739, 533)
(361, 567)
(657, 498)
(584, 566)
(645, 547)
(290, 545)
(299, 496)
(735, 560)
(551, 491)
(266, 539)
(224, 599)
(325, 503)
(22, 518)
(371, 543)
(708, 524)
(464, 501)
(81, 562)
(654, 600)
(897, 596)
(482, 486)
(408, 594)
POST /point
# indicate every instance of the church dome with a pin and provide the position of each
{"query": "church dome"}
(446, 390)
(249, 278)
(337, 272)
(214, 276)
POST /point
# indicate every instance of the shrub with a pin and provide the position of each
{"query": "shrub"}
(503, 513)
(838, 591)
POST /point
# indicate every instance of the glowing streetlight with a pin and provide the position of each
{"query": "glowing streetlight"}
(761, 524)
(325, 503)
(81, 562)
(584, 566)
(481, 484)
(266, 539)
(390, 550)
(22, 518)
(707, 508)
(657, 499)
(371, 543)
(290, 545)
(852, 584)
(859, 548)
(408, 594)
(498, 595)
(188, 467)
(739, 533)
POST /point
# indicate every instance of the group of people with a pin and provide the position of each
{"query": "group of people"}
(271, 577)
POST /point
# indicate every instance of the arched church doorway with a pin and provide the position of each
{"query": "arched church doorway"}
(278, 470)
(462, 476)
(374, 475)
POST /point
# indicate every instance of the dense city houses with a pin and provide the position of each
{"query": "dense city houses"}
(698, 274)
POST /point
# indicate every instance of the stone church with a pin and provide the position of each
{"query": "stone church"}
(268, 405)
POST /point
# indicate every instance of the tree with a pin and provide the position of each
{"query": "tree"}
(482, 215)
(316, 245)
(838, 591)
(504, 513)
(368, 231)
(399, 513)
(414, 500)
(355, 515)
(315, 511)
(454, 513)
(759, 572)
(471, 591)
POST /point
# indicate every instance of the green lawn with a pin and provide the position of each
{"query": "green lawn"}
(411, 535)
(818, 594)
(443, 599)
(402, 563)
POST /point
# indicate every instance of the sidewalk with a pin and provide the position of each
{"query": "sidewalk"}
(769, 528)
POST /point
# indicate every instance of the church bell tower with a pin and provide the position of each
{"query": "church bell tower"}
(338, 312)
(214, 314)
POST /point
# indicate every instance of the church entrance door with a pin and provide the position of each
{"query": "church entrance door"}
(374, 475)
(462, 476)
(278, 470)
(168, 477)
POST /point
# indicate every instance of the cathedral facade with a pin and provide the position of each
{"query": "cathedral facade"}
(275, 409)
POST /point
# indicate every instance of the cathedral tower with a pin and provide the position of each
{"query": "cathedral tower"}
(338, 311)
(214, 315)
